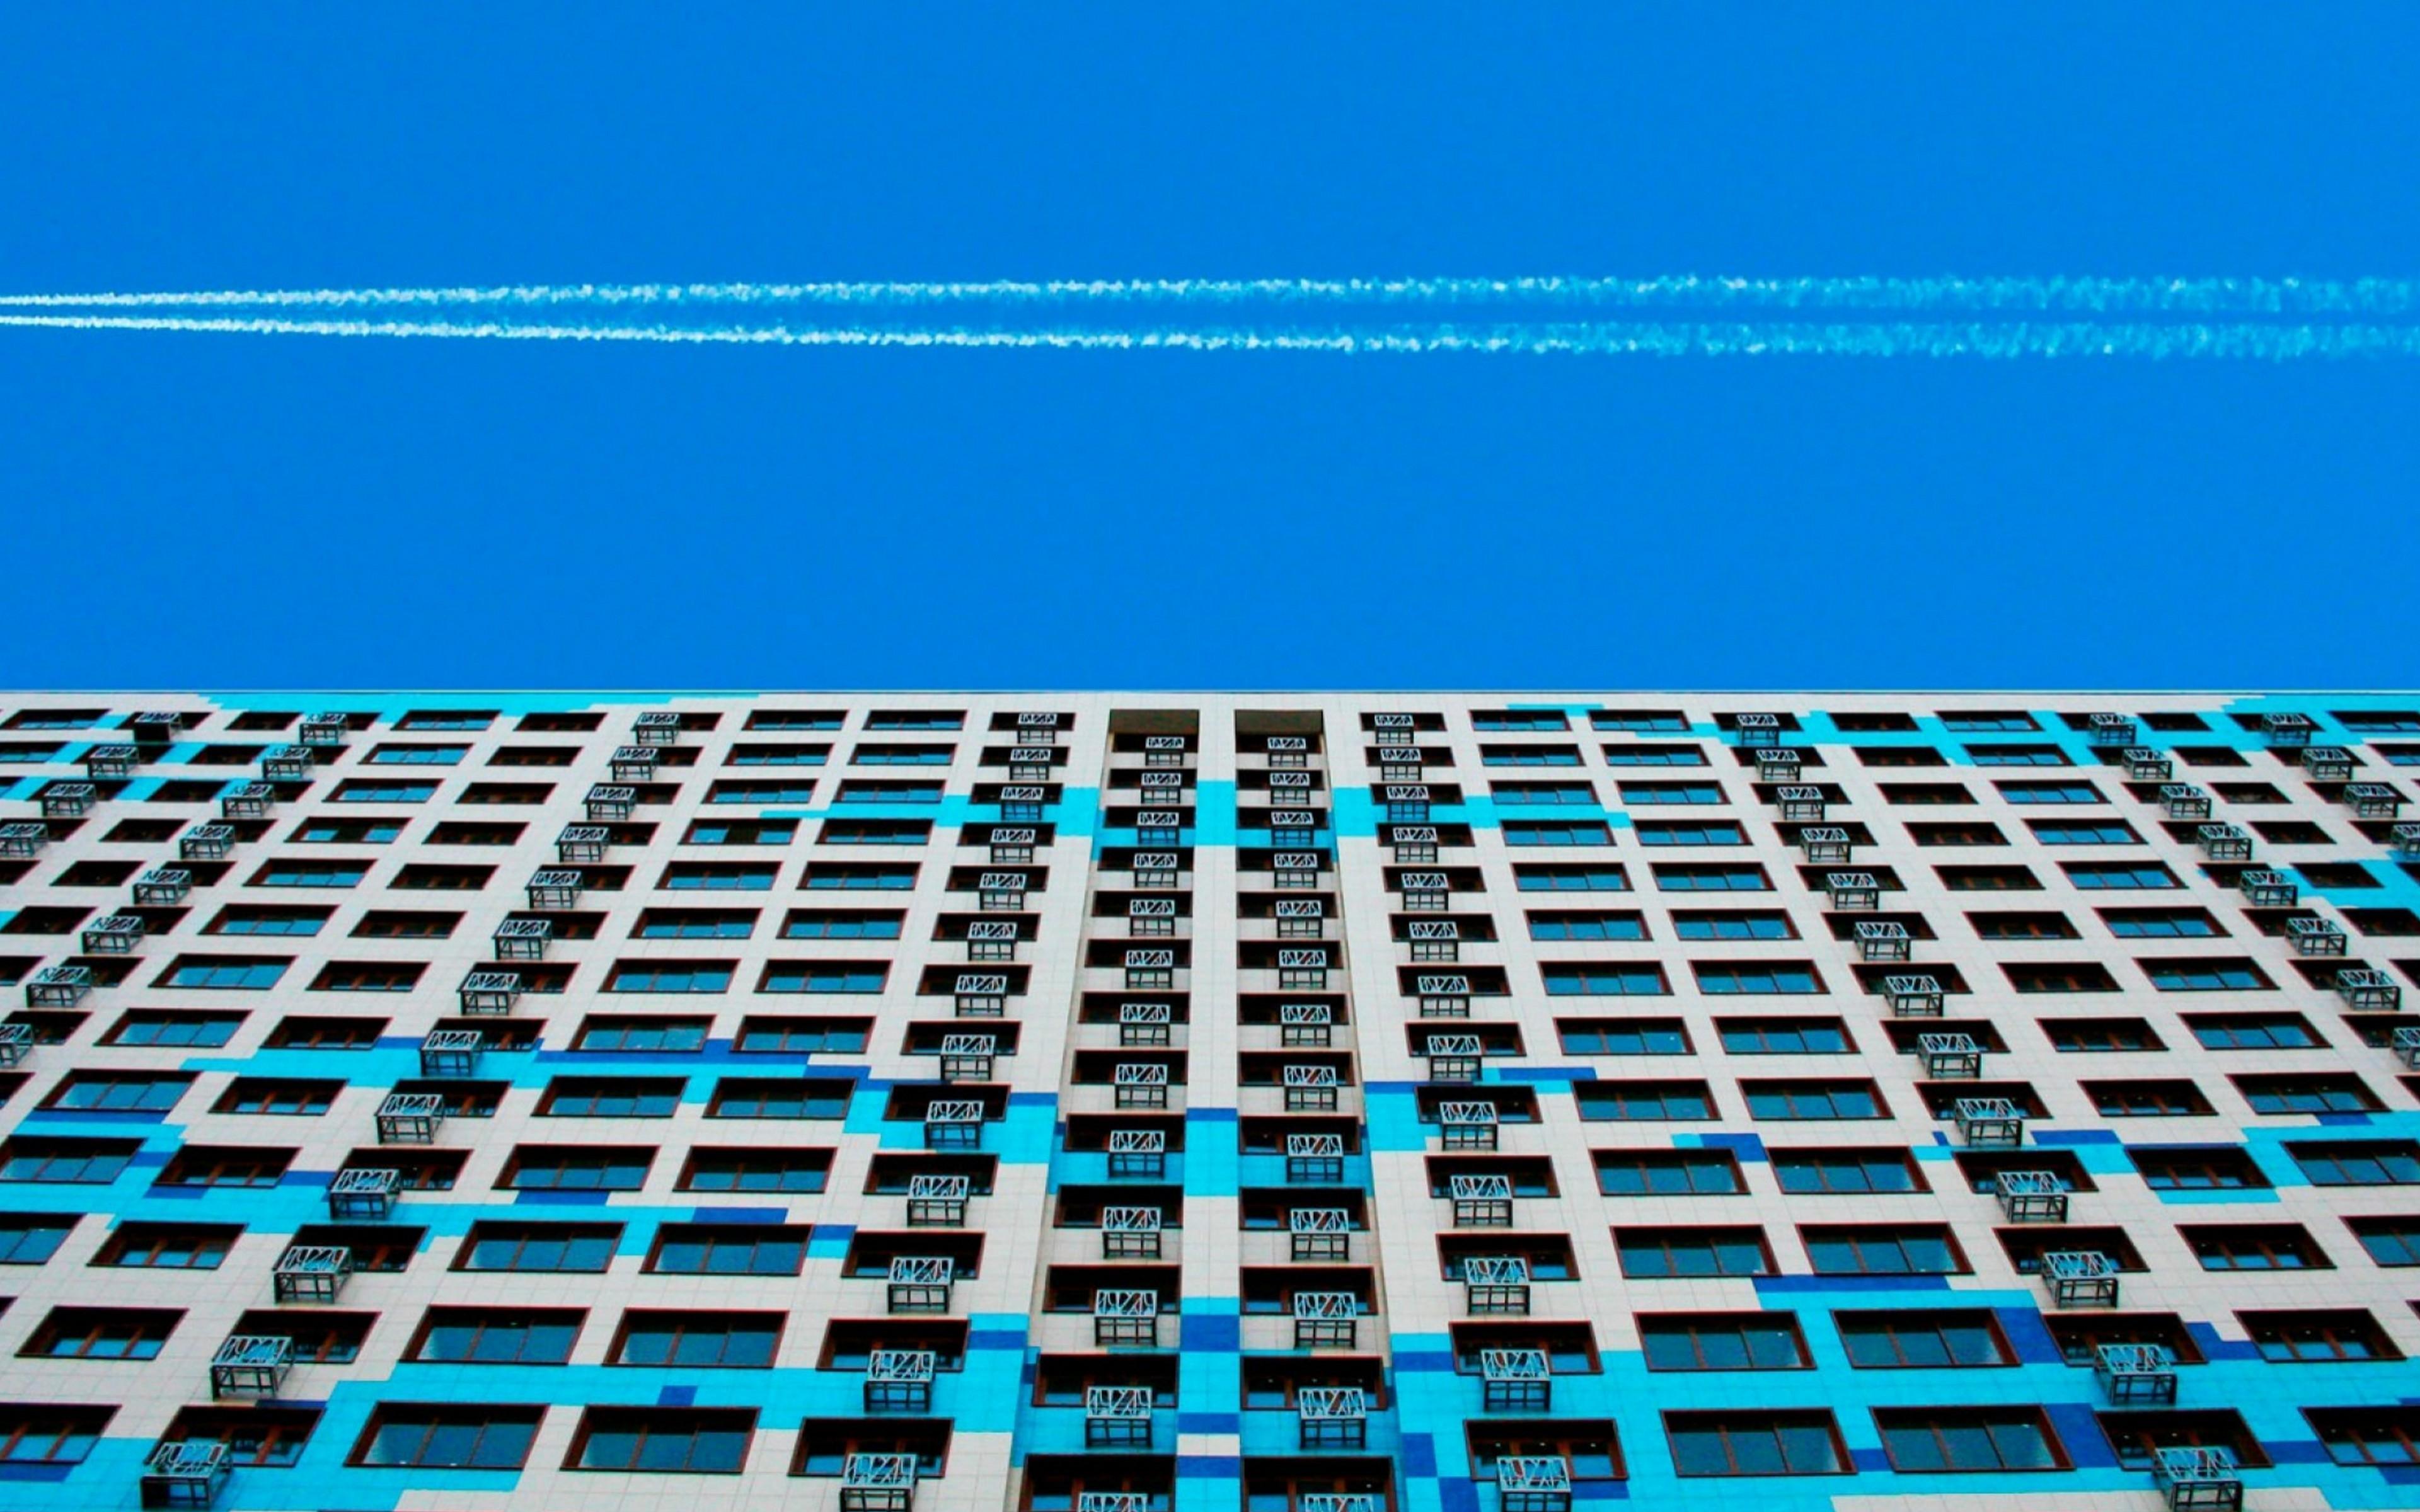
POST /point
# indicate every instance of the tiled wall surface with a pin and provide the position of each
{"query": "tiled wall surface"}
(536, 1084)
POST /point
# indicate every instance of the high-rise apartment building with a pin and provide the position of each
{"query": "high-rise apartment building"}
(1159, 1102)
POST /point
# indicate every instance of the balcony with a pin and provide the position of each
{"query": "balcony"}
(250, 1364)
(1515, 1381)
(920, 1283)
(1466, 1126)
(1125, 1315)
(1117, 1417)
(937, 1201)
(2031, 1196)
(877, 1483)
(2080, 1278)
(899, 1381)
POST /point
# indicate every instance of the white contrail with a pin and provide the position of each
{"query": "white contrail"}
(2238, 340)
(1980, 297)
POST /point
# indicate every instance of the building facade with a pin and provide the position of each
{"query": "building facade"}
(1156, 1103)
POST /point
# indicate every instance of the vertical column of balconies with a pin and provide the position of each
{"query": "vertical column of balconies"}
(1319, 1419)
(1119, 1267)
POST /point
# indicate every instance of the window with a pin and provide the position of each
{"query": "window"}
(2204, 974)
(1643, 1101)
(1571, 879)
(756, 1168)
(1649, 794)
(1656, 1254)
(1883, 1249)
(694, 1441)
(1672, 832)
(2091, 1036)
(2075, 832)
(1588, 1447)
(1845, 1171)
(794, 719)
(577, 1168)
(2036, 792)
(1622, 1037)
(1570, 1348)
(368, 976)
(2059, 977)
(2196, 1168)
(1711, 879)
(1747, 1442)
(364, 790)
(2160, 923)
(61, 1160)
(1658, 1173)
(2316, 1093)
(2253, 1031)
(157, 1246)
(1605, 979)
(167, 1028)
(2390, 1242)
(1541, 832)
(1639, 721)
(730, 1249)
(1763, 978)
(1501, 755)
(32, 1434)
(791, 791)
(2359, 1162)
(426, 1436)
(2368, 1435)
(27, 1239)
(346, 832)
(117, 1092)
(1964, 832)
(850, 877)
(1588, 926)
(325, 1033)
(2255, 1247)
(278, 1096)
(841, 924)
(804, 1036)
(611, 1097)
(1784, 1037)
(1812, 1100)
(874, 832)
(1655, 756)
(768, 754)
(1722, 1341)
(2117, 875)
(496, 1335)
(653, 1032)
(224, 1166)
(399, 924)
(697, 1338)
(903, 756)
(416, 755)
(695, 924)
(668, 976)
(2012, 755)
(241, 918)
(2136, 1433)
(446, 720)
(426, 878)
(1924, 1439)
(826, 1444)
(719, 876)
(823, 976)
(741, 832)
(1988, 879)
(102, 1333)
(1959, 1336)
(224, 973)
(504, 1245)
(2328, 1336)
(2146, 1100)
(257, 1435)
(1528, 793)
(1732, 925)
(783, 1097)
(384, 1248)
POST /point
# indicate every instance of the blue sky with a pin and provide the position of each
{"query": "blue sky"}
(223, 511)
